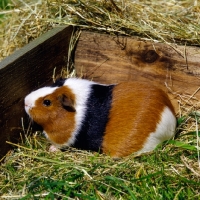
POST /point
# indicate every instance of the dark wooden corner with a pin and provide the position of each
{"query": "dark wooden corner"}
(26, 70)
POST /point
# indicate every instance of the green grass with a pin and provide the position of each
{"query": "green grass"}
(4, 4)
(31, 172)
(170, 172)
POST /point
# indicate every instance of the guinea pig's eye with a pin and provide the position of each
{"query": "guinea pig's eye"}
(46, 102)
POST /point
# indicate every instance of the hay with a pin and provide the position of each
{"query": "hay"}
(31, 172)
(87, 175)
(171, 22)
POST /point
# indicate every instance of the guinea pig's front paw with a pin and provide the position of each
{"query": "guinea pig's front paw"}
(53, 148)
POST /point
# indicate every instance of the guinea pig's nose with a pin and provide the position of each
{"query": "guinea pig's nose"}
(28, 103)
(27, 108)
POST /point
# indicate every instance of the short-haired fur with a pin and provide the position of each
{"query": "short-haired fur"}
(129, 117)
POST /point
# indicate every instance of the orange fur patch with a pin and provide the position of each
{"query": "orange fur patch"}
(57, 122)
(136, 111)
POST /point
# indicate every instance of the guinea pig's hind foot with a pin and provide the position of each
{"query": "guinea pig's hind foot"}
(53, 148)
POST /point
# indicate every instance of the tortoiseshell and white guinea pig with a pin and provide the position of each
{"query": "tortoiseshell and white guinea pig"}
(114, 119)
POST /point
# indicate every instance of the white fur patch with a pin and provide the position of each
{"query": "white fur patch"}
(53, 148)
(165, 130)
(82, 89)
(31, 98)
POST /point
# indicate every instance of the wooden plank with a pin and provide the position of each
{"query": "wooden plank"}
(111, 59)
(25, 70)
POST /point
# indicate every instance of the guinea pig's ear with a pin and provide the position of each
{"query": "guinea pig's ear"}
(67, 103)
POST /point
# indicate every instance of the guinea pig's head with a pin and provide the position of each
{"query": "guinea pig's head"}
(53, 108)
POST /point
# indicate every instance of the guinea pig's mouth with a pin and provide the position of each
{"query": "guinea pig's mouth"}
(27, 109)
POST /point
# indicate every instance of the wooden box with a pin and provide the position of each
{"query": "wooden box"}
(99, 57)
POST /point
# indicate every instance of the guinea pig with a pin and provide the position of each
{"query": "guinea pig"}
(118, 119)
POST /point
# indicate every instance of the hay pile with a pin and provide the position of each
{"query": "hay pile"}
(171, 21)
(163, 174)
(31, 172)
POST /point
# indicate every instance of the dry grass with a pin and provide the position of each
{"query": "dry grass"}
(171, 21)
(31, 172)
(172, 171)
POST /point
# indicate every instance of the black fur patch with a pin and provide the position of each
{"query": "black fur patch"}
(90, 136)
(59, 82)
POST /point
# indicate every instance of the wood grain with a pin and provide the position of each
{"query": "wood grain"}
(111, 59)
(26, 70)
(101, 57)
